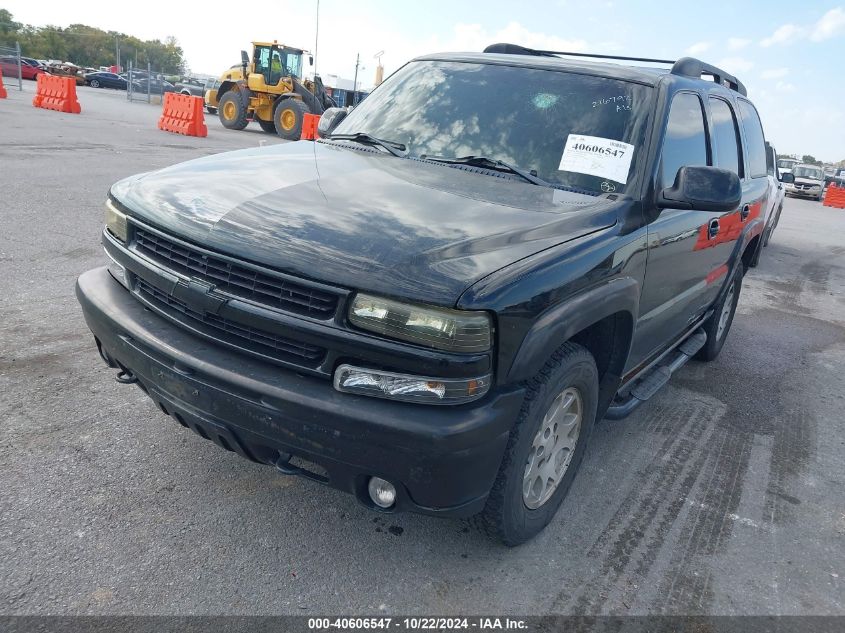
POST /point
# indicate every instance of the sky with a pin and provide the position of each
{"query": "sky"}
(790, 55)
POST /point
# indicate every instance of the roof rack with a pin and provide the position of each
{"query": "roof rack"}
(685, 67)
(515, 49)
(692, 67)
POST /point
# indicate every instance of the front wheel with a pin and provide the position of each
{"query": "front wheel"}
(288, 117)
(546, 447)
(719, 324)
(95, 83)
(232, 111)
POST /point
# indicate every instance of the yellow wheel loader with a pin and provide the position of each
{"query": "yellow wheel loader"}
(270, 90)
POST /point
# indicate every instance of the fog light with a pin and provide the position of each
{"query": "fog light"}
(382, 492)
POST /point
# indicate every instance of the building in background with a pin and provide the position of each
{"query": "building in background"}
(343, 91)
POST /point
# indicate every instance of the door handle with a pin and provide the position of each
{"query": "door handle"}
(746, 211)
(713, 229)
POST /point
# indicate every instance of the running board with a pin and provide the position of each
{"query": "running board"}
(657, 376)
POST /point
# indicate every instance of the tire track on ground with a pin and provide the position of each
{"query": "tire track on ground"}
(630, 543)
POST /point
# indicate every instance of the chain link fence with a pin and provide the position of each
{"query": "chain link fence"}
(146, 84)
(11, 64)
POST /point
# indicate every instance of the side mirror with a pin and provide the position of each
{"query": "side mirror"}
(244, 58)
(330, 119)
(702, 188)
(310, 60)
(789, 178)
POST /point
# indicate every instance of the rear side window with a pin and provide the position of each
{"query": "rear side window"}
(725, 137)
(771, 160)
(685, 143)
(753, 139)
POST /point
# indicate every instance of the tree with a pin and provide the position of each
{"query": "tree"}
(89, 46)
(810, 160)
(7, 26)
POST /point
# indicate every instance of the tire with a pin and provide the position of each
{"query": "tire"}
(211, 109)
(232, 112)
(267, 126)
(726, 308)
(95, 83)
(510, 513)
(288, 117)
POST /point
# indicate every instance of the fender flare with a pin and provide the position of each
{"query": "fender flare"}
(283, 97)
(229, 85)
(564, 320)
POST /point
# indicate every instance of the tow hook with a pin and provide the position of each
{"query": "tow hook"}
(126, 377)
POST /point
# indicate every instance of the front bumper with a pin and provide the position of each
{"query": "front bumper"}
(803, 193)
(443, 460)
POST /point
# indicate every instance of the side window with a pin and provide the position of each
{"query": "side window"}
(262, 65)
(753, 139)
(725, 135)
(685, 143)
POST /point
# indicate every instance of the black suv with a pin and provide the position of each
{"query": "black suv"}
(431, 306)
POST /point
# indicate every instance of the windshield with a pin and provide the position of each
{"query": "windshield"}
(292, 61)
(786, 164)
(813, 173)
(573, 130)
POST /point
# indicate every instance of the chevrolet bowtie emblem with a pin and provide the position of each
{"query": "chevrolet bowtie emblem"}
(198, 296)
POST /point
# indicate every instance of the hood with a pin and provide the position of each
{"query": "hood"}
(808, 181)
(360, 218)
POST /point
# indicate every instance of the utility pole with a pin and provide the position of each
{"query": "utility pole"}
(317, 38)
(355, 83)
(117, 52)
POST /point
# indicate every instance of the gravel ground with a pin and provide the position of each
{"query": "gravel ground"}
(725, 494)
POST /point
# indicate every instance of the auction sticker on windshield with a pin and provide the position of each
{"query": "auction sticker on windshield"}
(597, 156)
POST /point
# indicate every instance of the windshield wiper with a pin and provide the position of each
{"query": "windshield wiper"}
(490, 163)
(397, 149)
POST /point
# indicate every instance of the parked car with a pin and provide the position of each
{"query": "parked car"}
(834, 175)
(190, 86)
(67, 70)
(777, 194)
(154, 86)
(785, 165)
(106, 80)
(34, 63)
(431, 306)
(210, 95)
(808, 183)
(9, 68)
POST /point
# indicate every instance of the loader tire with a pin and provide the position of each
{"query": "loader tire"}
(288, 117)
(232, 111)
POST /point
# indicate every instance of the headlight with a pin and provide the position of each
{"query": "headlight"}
(440, 328)
(815, 187)
(115, 221)
(409, 388)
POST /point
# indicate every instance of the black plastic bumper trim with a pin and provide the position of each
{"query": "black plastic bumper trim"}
(442, 459)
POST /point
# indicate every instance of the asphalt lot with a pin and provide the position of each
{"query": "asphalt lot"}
(725, 494)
